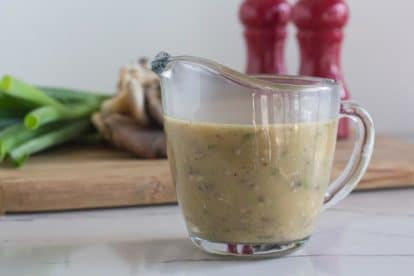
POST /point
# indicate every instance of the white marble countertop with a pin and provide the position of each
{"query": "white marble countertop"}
(369, 233)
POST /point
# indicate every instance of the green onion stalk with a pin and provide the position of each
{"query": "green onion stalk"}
(34, 118)
(57, 136)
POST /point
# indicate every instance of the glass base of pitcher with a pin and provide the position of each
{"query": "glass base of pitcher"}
(248, 250)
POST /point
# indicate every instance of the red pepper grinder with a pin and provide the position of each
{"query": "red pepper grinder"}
(265, 33)
(320, 24)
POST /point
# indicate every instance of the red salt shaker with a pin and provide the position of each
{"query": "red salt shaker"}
(320, 24)
(265, 33)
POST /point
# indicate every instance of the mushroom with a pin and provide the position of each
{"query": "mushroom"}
(132, 120)
(125, 134)
(138, 86)
(153, 103)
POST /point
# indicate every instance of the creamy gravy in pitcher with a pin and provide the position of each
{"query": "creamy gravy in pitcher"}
(250, 184)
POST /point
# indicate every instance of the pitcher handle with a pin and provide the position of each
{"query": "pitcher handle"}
(360, 157)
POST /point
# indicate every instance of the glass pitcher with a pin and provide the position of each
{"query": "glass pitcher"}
(251, 156)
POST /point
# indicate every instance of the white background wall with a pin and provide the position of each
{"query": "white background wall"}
(82, 44)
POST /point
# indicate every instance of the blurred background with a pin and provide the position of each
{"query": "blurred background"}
(82, 44)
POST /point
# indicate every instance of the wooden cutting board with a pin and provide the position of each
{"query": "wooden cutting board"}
(82, 177)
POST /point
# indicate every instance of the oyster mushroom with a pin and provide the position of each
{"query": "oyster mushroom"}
(153, 103)
(130, 97)
(132, 120)
(125, 134)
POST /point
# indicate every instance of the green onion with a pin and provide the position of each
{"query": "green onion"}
(212, 146)
(20, 90)
(7, 118)
(69, 95)
(15, 135)
(56, 137)
(247, 137)
(40, 116)
(7, 138)
(78, 105)
(306, 184)
(12, 106)
(50, 115)
(275, 171)
(47, 114)
(6, 121)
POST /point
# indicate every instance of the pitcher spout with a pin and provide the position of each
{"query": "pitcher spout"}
(164, 62)
(189, 68)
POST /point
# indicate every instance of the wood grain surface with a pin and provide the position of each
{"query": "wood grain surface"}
(80, 177)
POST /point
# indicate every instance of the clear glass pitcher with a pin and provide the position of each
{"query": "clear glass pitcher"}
(251, 156)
